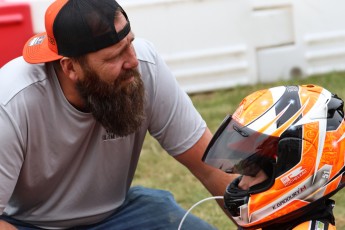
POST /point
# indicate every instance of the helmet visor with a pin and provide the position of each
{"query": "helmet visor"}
(239, 149)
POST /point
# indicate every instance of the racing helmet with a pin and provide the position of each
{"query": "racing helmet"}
(296, 135)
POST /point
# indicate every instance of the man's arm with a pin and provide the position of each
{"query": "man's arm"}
(6, 226)
(215, 180)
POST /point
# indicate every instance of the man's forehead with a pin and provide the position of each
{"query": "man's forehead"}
(120, 21)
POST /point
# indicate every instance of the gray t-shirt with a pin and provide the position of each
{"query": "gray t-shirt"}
(58, 166)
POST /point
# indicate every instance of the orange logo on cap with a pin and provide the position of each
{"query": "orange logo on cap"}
(37, 40)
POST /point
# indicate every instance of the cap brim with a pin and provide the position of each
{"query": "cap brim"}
(36, 50)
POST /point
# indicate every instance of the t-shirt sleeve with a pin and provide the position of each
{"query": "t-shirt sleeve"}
(174, 121)
(11, 157)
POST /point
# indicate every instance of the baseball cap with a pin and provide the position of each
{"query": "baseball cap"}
(75, 28)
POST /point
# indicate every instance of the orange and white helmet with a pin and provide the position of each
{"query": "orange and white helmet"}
(296, 135)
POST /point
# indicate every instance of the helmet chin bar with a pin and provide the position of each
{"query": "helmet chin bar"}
(236, 200)
(235, 197)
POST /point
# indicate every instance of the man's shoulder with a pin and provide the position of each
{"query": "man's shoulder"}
(17, 75)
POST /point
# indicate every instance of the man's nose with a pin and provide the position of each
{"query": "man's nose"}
(131, 59)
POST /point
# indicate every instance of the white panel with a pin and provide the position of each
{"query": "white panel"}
(269, 4)
(281, 63)
(204, 70)
(272, 27)
(276, 45)
(325, 52)
(203, 44)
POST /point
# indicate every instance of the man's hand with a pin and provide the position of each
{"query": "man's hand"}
(6, 226)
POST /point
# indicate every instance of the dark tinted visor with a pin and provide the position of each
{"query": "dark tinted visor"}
(239, 149)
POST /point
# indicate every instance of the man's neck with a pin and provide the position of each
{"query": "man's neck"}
(69, 90)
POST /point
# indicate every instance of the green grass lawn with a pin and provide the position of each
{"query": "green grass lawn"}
(158, 170)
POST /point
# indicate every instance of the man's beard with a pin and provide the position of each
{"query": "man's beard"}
(118, 106)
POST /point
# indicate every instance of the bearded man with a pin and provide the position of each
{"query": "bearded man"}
(74, 112)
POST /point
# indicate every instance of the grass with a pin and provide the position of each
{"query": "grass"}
(157, 169)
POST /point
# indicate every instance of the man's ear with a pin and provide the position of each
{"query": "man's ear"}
(70, 68)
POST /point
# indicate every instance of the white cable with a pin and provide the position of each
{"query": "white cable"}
(196, 204)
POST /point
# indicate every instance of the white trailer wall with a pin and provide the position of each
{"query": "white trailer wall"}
(213, 44)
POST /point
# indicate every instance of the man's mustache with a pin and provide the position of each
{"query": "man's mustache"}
(128, 74)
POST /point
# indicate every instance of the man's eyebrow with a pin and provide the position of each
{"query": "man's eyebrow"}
(132, 36)
(125, 46)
